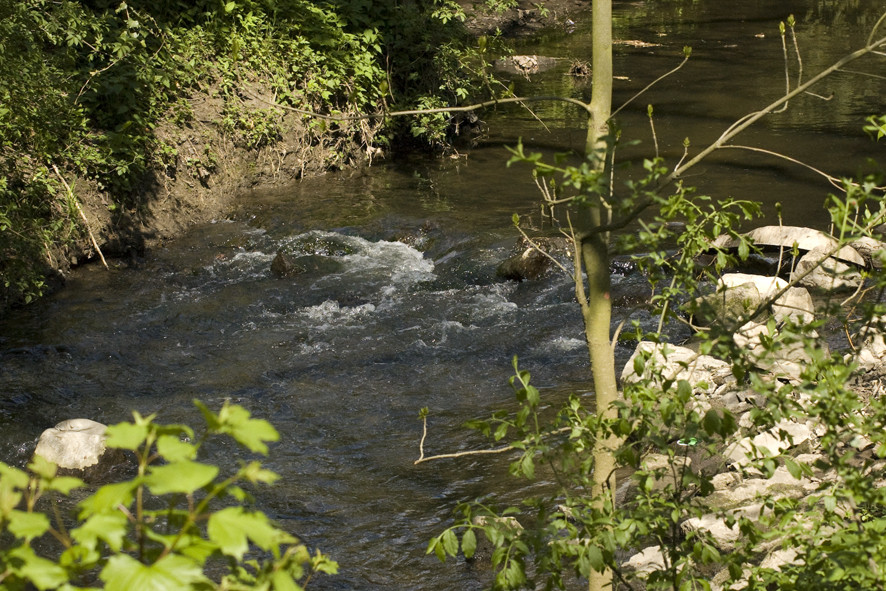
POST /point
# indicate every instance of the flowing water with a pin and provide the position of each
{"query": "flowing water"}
(399, 308)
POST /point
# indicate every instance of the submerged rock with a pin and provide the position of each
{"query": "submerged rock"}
(530, 263)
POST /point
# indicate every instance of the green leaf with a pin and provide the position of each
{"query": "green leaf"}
(253, 472)
(469, 543)
(232, 527)
(450, 542)
(711, 422)
(173, 449)
(43, 573)
(15, 477)
(282, 581)
(42, 467)
(180, 477)
(64, 484)
(251, 433)
(108, 498)
(108, 527)
(794, 468)
(126, 435)
(28, 525)
(124, 573)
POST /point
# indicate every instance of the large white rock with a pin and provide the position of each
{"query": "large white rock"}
(871, 353)
(647, 560)
(740, 294)
(75, 444)
(787, 236)
(724, 536)
(817, 270)
(770, 443)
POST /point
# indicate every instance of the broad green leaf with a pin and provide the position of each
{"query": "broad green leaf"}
(180, 477)
(42, 467)
(253, 472)
(108, 498)
(108, 527)
(126, 435)
(711, 422)
(64, 484)
(283, 581)
(173, 449)
(43, 573)
(9, 496)
(450, 542)
(15, 477)
(28, 525)
(251, 433)
(124, 573)
(794, 468)
(232, 528)
(469, 543)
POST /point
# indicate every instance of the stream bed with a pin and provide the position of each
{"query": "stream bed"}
(398, 306)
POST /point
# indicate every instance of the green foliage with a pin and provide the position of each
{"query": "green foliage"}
(179, 523)
(85, 85)
(671, 436)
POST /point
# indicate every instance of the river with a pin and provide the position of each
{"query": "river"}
(399, 307)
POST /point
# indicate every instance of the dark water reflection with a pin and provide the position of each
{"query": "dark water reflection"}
(400, 308)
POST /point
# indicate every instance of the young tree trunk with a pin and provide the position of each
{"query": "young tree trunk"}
(597, 307)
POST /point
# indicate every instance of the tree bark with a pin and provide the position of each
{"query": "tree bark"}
(597, 307)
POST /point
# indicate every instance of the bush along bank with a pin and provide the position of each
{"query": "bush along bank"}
(123, 122)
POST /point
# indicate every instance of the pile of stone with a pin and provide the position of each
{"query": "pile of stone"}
(821, 266)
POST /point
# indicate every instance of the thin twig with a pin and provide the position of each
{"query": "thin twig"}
(650, 85)
(82, 215)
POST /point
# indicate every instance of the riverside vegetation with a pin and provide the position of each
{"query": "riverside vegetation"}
(681, 439)
(107, 101)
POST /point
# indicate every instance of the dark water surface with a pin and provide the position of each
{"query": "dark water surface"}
(399, 307)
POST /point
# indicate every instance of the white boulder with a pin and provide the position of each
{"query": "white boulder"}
(74, 444)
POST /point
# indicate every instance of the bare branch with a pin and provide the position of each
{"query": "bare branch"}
(650, 85)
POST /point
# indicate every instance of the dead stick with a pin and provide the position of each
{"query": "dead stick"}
(82, 215)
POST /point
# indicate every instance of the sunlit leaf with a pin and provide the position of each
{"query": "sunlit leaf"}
(173, 449)
(232, 528)
(28, 525)
(180, 477)
(108, 498)
(124, 573)
(126, 435)
(469, 543)
(111, 528)
(43, 573)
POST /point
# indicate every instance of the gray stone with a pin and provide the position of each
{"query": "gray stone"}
(787, 236)
(770, 443)
(724, 537)
(817, 270)
(871, 250)
(74, 444)
(670, 362)
(647, 560)
(740, 294)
